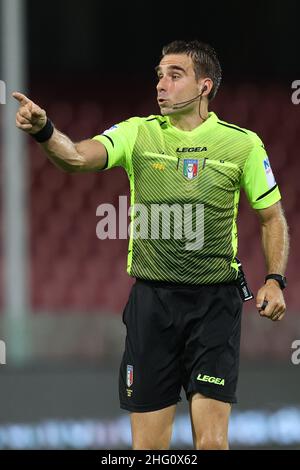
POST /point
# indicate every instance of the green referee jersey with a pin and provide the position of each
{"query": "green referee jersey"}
(185, 188)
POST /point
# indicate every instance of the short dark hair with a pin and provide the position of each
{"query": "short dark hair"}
(204, 58)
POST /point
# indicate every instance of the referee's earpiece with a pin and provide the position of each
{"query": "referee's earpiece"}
(203, 89)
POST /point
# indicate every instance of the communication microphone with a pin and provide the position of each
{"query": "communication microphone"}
(182, 104)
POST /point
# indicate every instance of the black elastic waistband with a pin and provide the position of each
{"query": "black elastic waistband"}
(176, 285)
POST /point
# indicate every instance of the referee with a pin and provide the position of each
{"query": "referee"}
(183, 316)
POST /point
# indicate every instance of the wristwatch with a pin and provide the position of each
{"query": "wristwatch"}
(279, 278)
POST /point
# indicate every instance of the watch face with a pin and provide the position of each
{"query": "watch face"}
(282, 281)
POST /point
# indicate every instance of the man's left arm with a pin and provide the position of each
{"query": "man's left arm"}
(275, 242)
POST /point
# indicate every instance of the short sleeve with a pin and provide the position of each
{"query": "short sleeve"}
(119, 141)
(258, 180)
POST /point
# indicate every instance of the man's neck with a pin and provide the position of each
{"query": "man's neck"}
(188, 122)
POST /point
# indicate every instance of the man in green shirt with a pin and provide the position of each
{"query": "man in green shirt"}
(183, 316)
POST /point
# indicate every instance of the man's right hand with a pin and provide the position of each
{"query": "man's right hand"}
(30, 117)
(87, 155)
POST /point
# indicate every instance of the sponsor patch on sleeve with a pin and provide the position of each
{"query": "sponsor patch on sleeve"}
(269, 173)
(111, 129)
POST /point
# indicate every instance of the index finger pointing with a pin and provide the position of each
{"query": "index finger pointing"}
(20, 97)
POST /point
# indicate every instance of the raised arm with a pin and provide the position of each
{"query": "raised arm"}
(87, 155)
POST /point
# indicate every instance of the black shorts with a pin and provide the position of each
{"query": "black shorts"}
(179, 336)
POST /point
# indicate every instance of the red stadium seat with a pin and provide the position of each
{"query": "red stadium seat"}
(72, 268)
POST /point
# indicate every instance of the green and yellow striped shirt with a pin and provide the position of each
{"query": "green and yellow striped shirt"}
(193, 179)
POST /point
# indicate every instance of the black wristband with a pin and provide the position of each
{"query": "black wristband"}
(45, 133)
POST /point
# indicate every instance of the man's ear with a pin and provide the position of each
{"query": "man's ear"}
(206, 87)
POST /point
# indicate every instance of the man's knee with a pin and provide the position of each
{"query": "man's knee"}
(210, 419)
(146, 444)
(207, 442)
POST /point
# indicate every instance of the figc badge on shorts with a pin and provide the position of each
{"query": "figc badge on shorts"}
(129, 375)
(190, 168)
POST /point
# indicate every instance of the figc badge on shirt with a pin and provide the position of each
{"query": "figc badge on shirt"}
(190, 168)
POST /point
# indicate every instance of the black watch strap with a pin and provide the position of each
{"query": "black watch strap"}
(279, 278)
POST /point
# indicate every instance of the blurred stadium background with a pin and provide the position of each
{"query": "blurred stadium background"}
(62, 290)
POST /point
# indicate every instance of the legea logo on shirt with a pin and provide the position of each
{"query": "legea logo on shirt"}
(269, 173)
(191, 149)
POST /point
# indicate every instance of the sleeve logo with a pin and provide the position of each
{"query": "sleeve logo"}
(111, 129)
(269, 173)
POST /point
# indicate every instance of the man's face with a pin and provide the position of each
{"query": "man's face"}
(176, 83)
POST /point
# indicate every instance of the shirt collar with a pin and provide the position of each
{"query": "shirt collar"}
(210, 121)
